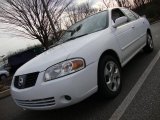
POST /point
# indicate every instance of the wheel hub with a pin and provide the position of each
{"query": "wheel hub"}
(112, 76)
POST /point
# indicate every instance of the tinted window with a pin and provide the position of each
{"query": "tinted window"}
(89, 25)
(116, 13)
(129, 14)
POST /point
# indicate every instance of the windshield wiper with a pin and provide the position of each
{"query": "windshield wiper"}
(60, 42)
(55, 44)
(72, 38)
(74, 30)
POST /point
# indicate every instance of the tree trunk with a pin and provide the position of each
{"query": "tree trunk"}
(119, 3)
(50, 19)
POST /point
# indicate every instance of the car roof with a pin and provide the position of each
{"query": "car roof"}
(115, 8)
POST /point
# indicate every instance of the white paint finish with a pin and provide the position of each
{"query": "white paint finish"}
(125, 36)
(120, 21)
(90, 47)
(87, 48)
(44, 60)
(126, 102)
(141, 30)
(79, 86)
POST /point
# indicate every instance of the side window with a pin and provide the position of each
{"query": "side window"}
(116, 13)
(135, 14)
(129, 14)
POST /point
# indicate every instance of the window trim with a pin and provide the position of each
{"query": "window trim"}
(116, 9)
(129, 20)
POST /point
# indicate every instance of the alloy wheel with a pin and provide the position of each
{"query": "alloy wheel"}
(112, 76)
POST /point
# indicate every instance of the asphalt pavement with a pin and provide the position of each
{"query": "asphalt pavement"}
(144, 106)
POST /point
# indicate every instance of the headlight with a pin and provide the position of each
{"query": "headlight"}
(64, 68)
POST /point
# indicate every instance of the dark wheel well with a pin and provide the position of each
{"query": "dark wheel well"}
(111, 53)
(149, 32)
(149, 44)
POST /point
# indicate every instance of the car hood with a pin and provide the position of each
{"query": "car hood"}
(55, 55)
(44, 60)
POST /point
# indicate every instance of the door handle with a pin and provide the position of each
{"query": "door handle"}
(133, 27)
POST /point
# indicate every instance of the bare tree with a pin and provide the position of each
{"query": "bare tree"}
(126, 3)
(142, 3)
(107, 4)
(120, 3)
(30, 18)
(77, 13)
(50, 19)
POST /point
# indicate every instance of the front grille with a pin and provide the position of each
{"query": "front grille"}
(37, 103)
(25, 81)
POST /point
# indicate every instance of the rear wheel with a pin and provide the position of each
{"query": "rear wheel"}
(109, 77)
(149, 45)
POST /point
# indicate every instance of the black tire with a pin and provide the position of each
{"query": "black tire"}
(104, 80)
(3, 77)
(149, 45)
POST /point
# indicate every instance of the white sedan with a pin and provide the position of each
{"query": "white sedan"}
(88, 58)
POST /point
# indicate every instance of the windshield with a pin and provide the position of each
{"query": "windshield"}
(89, 25)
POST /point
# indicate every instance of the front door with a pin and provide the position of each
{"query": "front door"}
(125, 35)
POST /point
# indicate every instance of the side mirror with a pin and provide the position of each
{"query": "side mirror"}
(120, 21)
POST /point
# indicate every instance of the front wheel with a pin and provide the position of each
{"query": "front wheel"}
(149, 45)
(109, 77)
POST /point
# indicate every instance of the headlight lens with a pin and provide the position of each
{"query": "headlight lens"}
(64, 68)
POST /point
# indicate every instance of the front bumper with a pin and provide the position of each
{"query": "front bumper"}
(51, 94)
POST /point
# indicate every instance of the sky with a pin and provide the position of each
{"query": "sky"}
(10, 43)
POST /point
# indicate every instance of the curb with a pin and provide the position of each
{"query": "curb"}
(5, 93)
